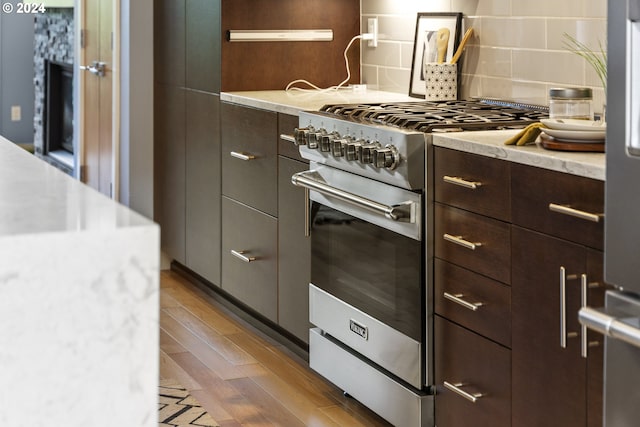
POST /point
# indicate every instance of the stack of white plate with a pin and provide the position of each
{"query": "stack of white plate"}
(574, 130)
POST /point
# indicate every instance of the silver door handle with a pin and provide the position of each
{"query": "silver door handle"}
(461, 182)
(458, 240)
(97, 68)
(563, 307)
(472, 397)
(584, 344)
(242, 156)
(457, 298)
(241, 255)
(288, 138)
(405, 212)
(568, 210)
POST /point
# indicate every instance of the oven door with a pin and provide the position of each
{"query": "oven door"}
(367, 275)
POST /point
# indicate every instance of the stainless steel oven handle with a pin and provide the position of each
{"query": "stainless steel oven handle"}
(402, 212)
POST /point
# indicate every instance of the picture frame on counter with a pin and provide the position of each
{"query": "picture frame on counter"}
(425, 48)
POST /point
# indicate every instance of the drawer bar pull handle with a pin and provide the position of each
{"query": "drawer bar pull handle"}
(288, 138)
(456, 389)
(457, 298)
(458, 240)
(242, 156)
(241, 255)
(568, 210)
(462, 182)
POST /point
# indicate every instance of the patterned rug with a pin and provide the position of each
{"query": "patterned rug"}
(179, 409)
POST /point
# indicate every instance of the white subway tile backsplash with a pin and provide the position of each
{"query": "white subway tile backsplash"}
(566, 8)
(513, 32)
(517, 52)
(386, 54)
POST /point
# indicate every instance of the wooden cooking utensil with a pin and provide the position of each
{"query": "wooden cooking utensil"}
(442, 41)
(461, 46)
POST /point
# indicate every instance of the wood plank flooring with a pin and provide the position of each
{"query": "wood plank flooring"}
(238, 374)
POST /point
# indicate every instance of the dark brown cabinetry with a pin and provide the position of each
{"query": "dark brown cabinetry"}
(472, 297)
(250, 210)
(265, 268)
(557, 242)
(293, 247)
(187, 148)
(550, 225)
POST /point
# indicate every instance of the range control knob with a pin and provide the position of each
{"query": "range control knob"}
(313, 139)
(301, 135)
(339, 146)
(326, 142)
(354, 150)
(387, 157)
(366, 152)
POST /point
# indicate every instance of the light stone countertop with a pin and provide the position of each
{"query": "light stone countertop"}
(491, 144)
(79, 302)
(294, 101)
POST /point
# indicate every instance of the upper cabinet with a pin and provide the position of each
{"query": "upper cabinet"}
(272, 65)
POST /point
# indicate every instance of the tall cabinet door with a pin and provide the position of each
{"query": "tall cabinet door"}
(203, 184)
(548, 382)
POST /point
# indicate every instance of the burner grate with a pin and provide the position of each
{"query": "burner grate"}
(447, 116)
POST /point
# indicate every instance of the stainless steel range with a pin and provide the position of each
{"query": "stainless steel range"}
(370, 221)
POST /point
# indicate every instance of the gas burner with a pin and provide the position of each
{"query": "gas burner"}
(447, 116)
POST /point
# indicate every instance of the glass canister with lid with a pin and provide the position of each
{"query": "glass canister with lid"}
(571, 103)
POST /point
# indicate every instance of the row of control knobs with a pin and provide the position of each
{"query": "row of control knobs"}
(355, 150)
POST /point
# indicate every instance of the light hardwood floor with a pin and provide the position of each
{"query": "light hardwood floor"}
(241, 376)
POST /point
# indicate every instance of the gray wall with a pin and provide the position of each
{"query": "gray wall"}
(16, 75)
(136, 114)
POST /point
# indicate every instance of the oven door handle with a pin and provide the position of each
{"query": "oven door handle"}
(403, 212)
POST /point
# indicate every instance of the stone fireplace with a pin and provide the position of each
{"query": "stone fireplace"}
(53, 82)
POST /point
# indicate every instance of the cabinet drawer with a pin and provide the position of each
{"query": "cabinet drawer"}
(254, 235)
(286, 124)
(481, 244)
(482, 367)
(475, 183)
(473, 301)
(249, 156)
(534, 190)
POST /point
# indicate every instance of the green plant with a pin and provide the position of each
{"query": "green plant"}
(598, 60)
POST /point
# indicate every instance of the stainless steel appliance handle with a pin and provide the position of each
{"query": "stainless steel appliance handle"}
(455, 387)
(461, 182)
(457, 298)
(242, 156)
(288, 138)
(241, 255)
(609, 326)
(568, 210)
(402, 212)
(458, 240)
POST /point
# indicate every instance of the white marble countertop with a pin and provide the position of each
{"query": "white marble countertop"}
(294, 101)
(79, 302)
(37, 198)
(491, 144)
